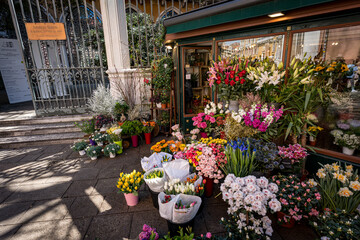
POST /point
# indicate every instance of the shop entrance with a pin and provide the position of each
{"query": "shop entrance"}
(195, 90)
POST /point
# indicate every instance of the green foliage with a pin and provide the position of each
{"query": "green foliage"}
(145, 38)
(183, 235)
(119, 109)
(86, 126)
(93, 151)
(132, 128)
(162, 71)
(78, 146)
(90, 39)
(111, 148)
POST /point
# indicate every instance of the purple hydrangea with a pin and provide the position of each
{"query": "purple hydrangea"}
(343, 126)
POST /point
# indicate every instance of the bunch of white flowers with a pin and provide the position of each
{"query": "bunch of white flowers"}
(213, 108)
(253, 196)
(346, 140)
(175, 186)
(262, 78)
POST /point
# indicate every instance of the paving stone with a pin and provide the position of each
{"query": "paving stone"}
(80, 188)
(110, 227)
(11, 213)
(39, 192)
(5, 193)
(111, 171)
(7, 231)
(151, 218)
(212, 215)
(30, 157)
(86, 173)
(301, 231)
(145, 203)
(55, 209)
(199, 225)
(85, 207)
(113, 203)
(105, 186)
(54, 230)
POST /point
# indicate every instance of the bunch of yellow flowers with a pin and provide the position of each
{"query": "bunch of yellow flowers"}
(130, 182)
(315, 129)
(211, 140)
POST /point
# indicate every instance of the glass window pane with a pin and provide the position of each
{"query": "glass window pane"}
(260, 48)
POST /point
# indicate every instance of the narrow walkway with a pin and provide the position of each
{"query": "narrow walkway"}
(51, 192)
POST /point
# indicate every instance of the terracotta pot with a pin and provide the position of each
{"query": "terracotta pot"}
(131, 199)
(163, 105)
(135, 140)
(209, 186)
(147, 138)
(312, 143)
(289, 224)
(203, 135)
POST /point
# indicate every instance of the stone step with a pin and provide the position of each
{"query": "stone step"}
(39, 140)
(37, 129)
(45, 120)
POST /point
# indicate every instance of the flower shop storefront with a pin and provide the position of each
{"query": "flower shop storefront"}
(304, 61)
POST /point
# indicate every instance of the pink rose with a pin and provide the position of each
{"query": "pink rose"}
(203, 125)
(212, 119)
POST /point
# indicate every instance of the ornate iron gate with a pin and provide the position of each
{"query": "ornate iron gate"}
(62, 73)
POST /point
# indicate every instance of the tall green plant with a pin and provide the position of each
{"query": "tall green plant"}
(240, 158)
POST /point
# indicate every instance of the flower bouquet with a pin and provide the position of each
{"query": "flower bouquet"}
(205, 123)
(249, 200)
(339, 188)
(176, 186)
(111, 150)
(80, 147)
(129, 184)
(93, 152)
(148, 233)
(240, 158)
(298, 199)
(314, 131)
(148, 127)
(163, 146)
(293, 158)
(176, 132)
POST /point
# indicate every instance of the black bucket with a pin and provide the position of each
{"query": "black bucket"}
(154, 197)
(174, 228)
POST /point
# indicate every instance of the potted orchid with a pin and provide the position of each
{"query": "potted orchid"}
(299, 200)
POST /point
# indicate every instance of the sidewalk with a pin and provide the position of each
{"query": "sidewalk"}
(53, 193)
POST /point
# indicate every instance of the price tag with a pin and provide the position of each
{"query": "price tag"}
(188, 76)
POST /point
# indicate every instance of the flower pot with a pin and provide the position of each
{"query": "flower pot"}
(290, 224)
(203, 135)
(93, 158)
(234, 105)
(168, 105)
(131, 199)
(158, 105)
(312, 141)
(348, 151)
(82, 152)
(174, 228)
(135, 140)
(147, 138)
(92, 142)
(100, 144)
(119, 143)
(154, 197)
(209, 186)
(304, 175)
(112, 155)
(163, 105)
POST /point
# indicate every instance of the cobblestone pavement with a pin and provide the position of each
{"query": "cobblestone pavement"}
(51, 192)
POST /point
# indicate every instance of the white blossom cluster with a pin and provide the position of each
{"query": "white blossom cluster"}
(175, 186)
(262, 77)
(213, 108)
(346, 140)
(254, 195)
(238, 116)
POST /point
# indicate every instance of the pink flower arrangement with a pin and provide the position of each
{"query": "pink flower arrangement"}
(204, 122)
(295, 153)
(261, 117)
(298, 199)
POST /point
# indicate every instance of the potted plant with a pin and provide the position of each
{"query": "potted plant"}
(86, 126)
(120, 109)
(129, 184)
(148, 127)
(80, 147)
(165, 99)
(133, 129)
(314, 131)
(102, 121)
(156, 99)
(346, 137)
(100, 138)
(299, 200)
(111, 150)
(293, 159)
(115, 137)
(93, 152)
(148, 233)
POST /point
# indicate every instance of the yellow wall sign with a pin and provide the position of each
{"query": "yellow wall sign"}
(45, 31)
